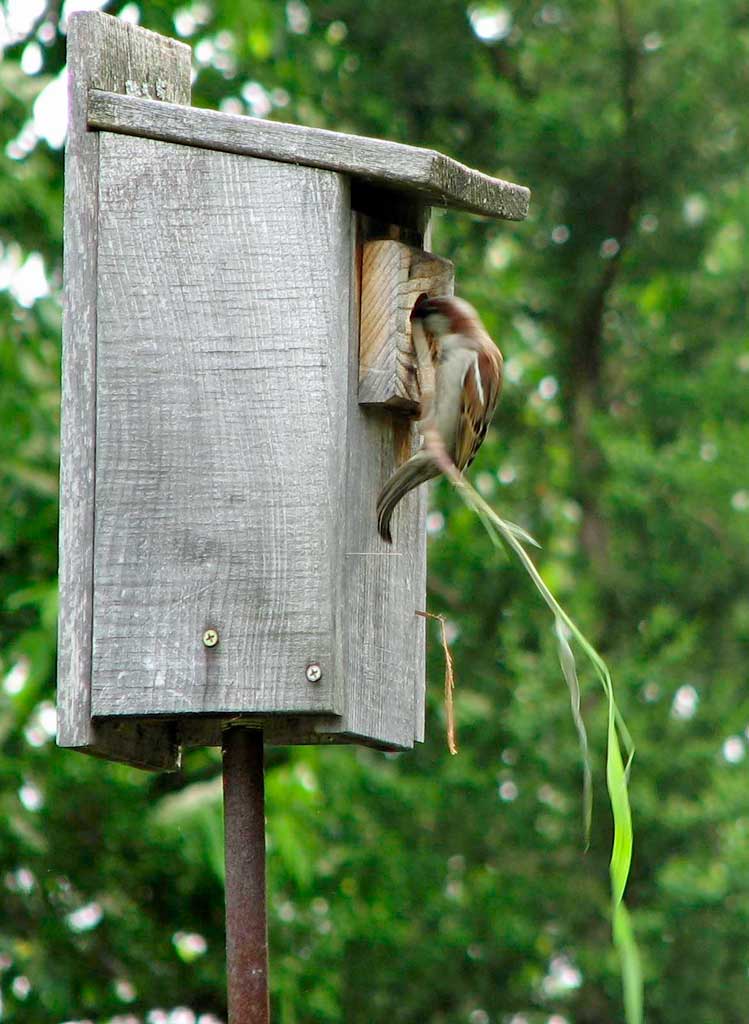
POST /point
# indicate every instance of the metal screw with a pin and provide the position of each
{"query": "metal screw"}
(210, 638)
(313, 673)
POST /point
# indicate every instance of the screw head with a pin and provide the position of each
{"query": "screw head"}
(313, 673)
(210, 637)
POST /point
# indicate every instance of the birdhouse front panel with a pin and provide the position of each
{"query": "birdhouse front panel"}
(222, 359)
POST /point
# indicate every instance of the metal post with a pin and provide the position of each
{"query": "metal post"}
(244, 836)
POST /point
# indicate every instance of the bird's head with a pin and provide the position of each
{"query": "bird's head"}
(445, 314)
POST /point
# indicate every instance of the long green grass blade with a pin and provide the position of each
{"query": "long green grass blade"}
(629, 957)
(569, 669)
(509, 536)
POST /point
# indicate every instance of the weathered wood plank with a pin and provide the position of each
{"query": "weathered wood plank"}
(383, 585)
(108, 54)
(223, 342)
(437, 179)
(394, 275)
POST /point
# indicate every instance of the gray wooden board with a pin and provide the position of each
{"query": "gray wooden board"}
(437, 179)
(384, 584)
(108, 54)
(222, 357)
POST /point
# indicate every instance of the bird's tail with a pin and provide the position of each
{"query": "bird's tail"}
(419, 468)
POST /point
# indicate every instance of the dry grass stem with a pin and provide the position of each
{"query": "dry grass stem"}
(449, 680)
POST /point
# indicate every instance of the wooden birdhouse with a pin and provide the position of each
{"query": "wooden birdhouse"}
(238, 384)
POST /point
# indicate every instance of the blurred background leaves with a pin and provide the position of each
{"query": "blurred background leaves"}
(423, 888)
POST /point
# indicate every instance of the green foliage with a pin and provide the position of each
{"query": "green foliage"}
(424, 888)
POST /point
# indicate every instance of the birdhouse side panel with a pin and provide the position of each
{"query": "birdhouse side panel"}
(222, 329)
(107, 53)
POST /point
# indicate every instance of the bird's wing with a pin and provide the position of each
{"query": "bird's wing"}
(481, 386)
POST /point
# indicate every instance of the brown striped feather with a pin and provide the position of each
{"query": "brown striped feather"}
(476, 414)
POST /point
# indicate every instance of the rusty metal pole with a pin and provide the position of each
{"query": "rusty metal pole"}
(244, 837)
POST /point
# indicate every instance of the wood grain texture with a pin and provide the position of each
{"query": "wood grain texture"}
(379, 641)
(218, 347)
(223, 342)
(383, 585)
(394, 275)
(106, 54)
(438, 180)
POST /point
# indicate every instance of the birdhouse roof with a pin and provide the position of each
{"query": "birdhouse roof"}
(436, 179)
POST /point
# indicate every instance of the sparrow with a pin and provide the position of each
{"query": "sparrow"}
(467, 382)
